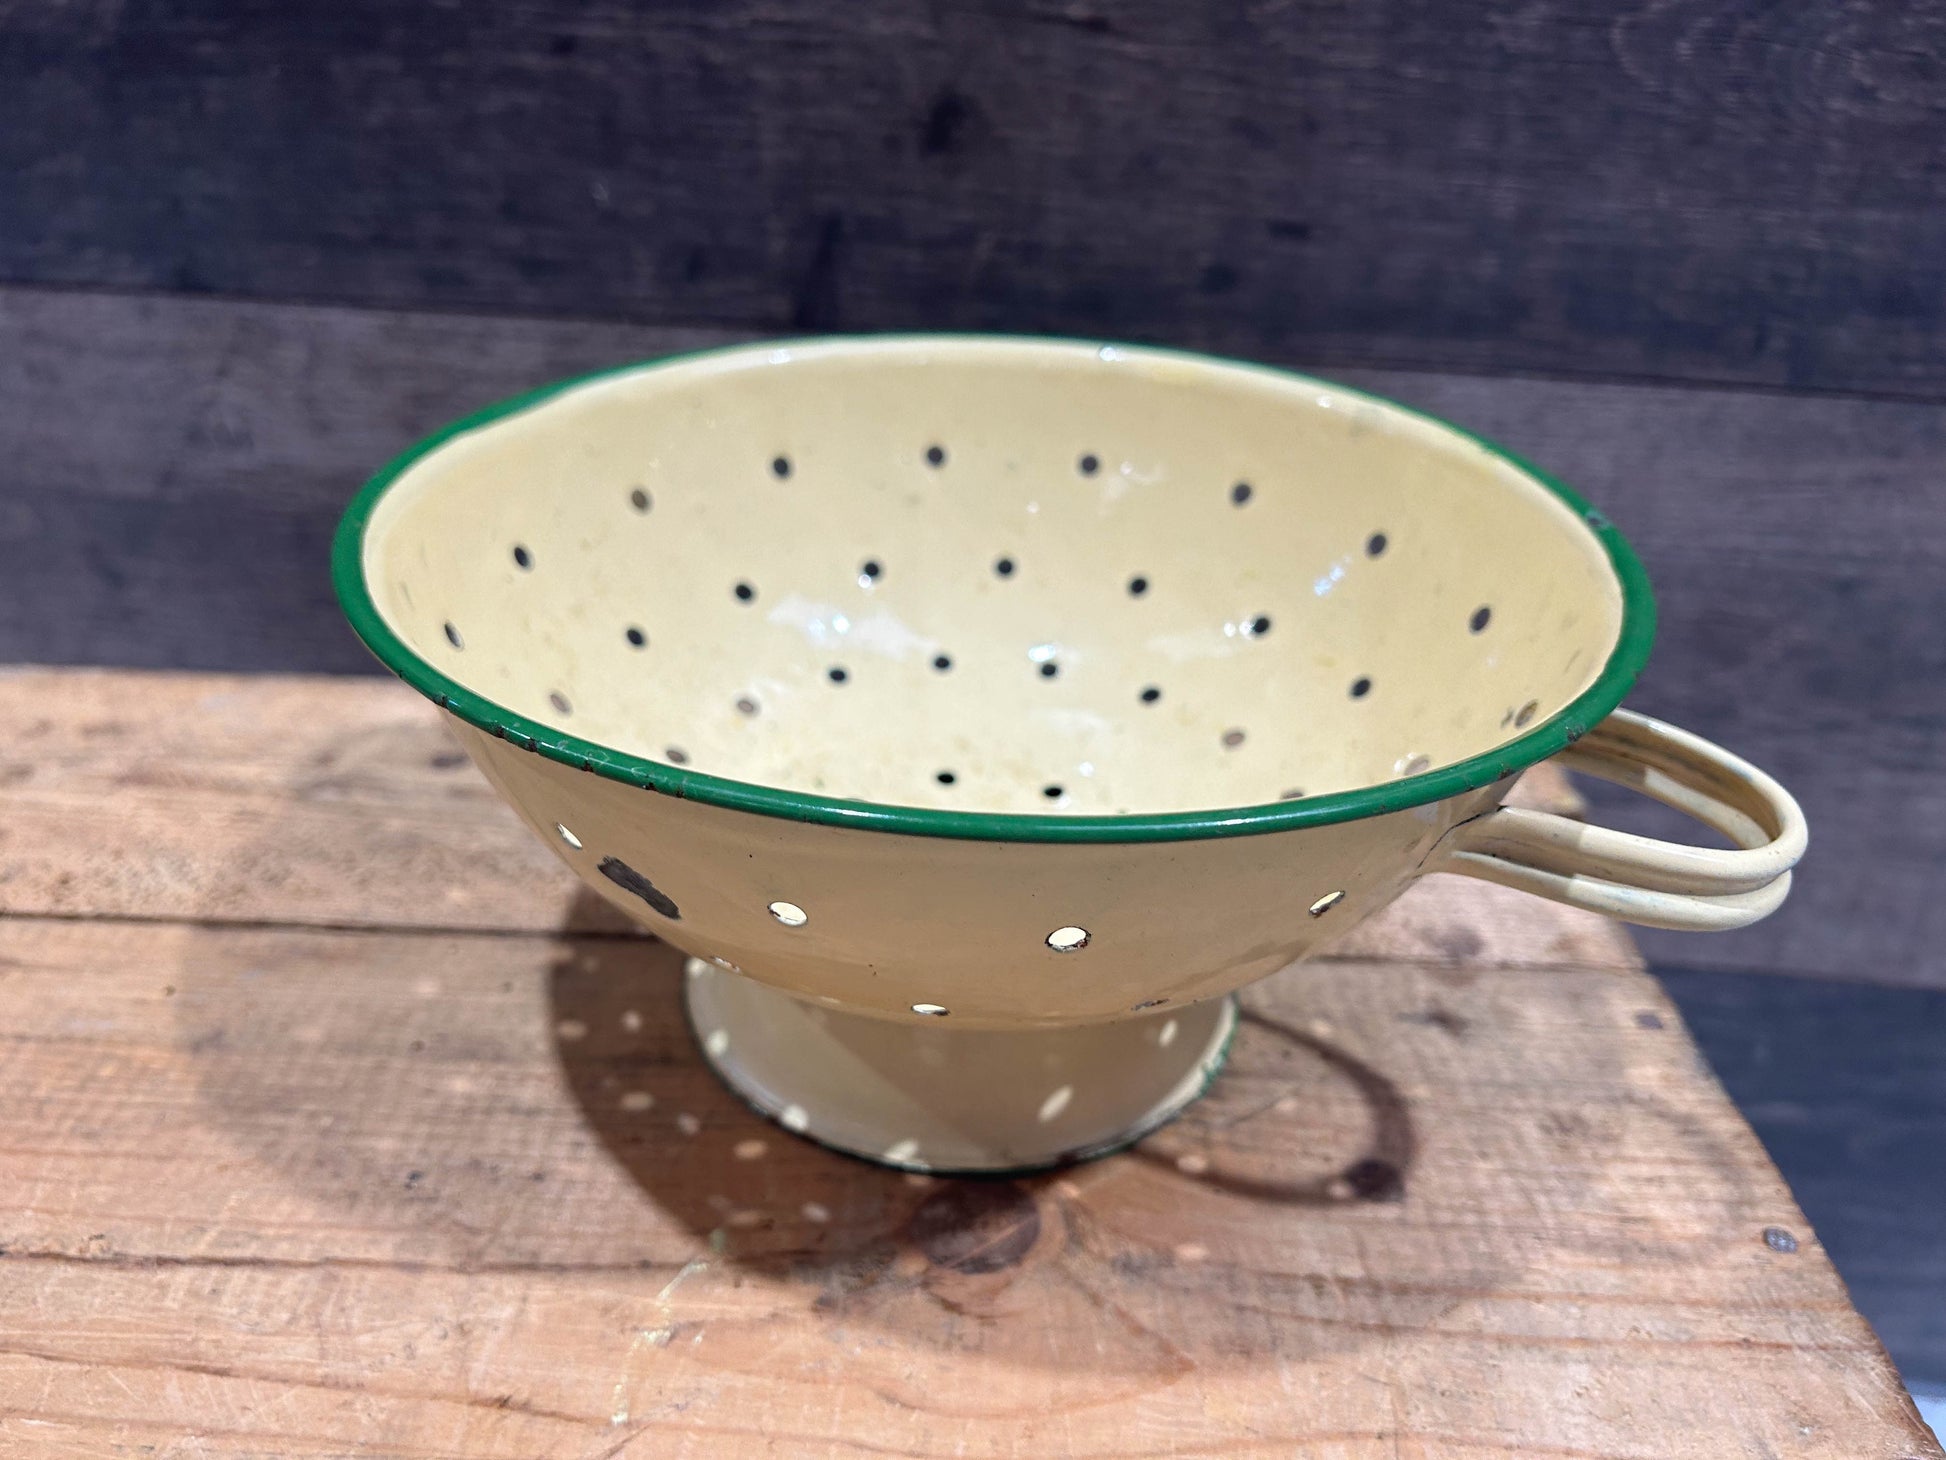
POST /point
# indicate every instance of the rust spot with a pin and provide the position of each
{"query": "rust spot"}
(624, 876)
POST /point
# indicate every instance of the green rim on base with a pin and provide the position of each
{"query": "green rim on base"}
(1559, 730)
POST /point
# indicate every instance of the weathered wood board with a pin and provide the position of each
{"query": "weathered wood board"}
(296, 1162)
(1707, 191)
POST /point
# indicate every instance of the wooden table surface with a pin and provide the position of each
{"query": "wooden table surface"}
(336, 1120)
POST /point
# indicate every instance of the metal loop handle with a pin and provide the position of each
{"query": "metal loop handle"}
(1635, 878)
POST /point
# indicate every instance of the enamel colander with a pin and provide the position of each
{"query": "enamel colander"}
(982, 713)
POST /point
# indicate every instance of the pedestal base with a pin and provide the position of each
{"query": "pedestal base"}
(929, 1097)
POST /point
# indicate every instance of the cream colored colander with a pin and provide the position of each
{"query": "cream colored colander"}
(981, 713)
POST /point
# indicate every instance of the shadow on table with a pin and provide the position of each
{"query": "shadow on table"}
(1297, 1210)
(1296, 1122)
(688, 1141)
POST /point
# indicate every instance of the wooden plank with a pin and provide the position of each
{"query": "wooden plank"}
(344, 802)
(172, 478)
(1728, 192)
(321, 1193)
(190, 523)
(1847, 1090)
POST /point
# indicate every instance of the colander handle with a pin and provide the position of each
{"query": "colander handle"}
(1635, 878)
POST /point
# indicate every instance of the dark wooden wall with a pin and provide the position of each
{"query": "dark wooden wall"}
(1719, 190)
(1690, 253)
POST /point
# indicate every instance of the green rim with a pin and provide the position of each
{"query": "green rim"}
(1563, 728)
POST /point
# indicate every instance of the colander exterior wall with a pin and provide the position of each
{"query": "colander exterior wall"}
(894, 921)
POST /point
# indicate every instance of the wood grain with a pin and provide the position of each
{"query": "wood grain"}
(1699, 191)
(291, 1192)
(1798, 547)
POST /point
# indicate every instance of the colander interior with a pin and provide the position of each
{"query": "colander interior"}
(988, 575)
